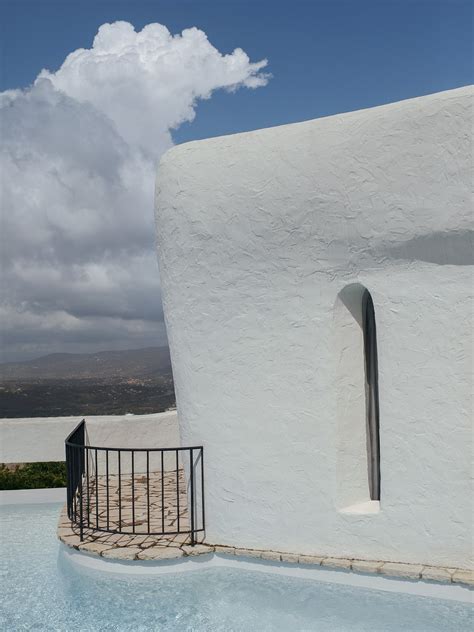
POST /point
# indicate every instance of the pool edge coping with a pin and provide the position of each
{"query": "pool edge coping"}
(394, 570)
(141, 569)
(159, 553)
(430, 574)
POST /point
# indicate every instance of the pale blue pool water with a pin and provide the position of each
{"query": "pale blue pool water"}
(40, 593)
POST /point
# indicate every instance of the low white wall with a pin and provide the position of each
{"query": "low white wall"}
(42, 439)
(32, 496)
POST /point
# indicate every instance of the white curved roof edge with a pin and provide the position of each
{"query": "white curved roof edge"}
(467, 90)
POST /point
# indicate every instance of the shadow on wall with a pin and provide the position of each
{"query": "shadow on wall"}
(443, 248)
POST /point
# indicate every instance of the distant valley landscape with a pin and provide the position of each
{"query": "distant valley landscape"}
(137, 381)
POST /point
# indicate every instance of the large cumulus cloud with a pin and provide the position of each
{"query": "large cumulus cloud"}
(79, 150)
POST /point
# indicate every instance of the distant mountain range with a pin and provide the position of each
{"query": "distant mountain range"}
(134, 363)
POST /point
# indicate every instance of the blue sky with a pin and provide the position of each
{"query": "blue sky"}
(325, 56)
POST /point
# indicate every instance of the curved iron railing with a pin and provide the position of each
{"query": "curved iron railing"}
(134, 491)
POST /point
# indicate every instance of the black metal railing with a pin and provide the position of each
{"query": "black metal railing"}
(134, 491)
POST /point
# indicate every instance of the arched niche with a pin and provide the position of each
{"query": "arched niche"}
(357, 442)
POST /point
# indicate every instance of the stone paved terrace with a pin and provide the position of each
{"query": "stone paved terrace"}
(168, 512)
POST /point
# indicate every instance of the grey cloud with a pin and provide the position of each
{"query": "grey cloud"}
(77, 162)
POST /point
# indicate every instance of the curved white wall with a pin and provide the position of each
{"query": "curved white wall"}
(257, 235)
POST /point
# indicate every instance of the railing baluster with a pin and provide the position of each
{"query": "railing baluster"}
(148, 488)
(177, 485)
(162, 494)
(88, 489)
(133, 491)
(119, 491)
(191, 475)
(107, 484)
(96, 491)
(81, 499)
(76, 476)
(74, 483)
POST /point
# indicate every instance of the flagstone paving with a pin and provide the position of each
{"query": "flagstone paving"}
(109, 507)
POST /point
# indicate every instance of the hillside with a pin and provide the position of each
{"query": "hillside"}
(104, 365)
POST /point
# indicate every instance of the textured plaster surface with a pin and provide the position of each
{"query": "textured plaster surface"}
(257, 236)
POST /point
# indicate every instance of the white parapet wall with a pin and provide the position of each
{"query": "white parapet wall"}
(42, 438)
(261, 238)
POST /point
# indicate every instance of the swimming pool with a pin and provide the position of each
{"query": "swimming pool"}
(41, 590)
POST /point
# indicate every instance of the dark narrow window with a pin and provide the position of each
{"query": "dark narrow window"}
(371, 395)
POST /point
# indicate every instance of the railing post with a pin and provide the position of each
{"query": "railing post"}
(68, 482)
(203, 515)
(191, 475)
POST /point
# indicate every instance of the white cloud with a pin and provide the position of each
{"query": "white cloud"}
(148, 82)
(79, 151)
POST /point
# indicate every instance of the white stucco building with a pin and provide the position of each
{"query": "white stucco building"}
(267, 243)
